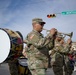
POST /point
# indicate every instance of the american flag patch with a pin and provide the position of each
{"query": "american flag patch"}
(31, 36)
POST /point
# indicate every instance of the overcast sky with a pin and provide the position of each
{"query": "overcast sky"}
(17, 15)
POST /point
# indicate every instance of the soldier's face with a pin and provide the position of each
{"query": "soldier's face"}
(39, 27)
(62, 41)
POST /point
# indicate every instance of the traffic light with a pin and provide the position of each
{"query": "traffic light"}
(51, 15)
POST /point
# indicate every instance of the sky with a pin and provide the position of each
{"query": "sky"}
(17, 15)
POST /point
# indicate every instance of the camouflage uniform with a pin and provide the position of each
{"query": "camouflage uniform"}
(57, 60)
(13, 67)
(37, 52)
(69, 63)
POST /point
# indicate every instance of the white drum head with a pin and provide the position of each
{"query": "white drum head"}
(4, 45)
(23, 61)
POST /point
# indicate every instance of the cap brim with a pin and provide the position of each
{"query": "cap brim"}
(43, 22)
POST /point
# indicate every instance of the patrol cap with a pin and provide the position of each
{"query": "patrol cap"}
(38, 20)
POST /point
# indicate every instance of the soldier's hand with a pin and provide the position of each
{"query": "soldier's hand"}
(53, 31)
(69, 41)
(24, 53)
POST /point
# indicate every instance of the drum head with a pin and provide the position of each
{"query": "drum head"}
(5, 45)
(23, 61)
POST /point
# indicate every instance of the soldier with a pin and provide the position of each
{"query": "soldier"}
(57, 57)
(38, 46)
(13, 66)
(69, 62)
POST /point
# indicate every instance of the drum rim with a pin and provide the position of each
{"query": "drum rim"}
(19, 59)
(10, 41)
(19, 33)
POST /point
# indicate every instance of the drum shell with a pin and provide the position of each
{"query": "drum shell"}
(23, 66)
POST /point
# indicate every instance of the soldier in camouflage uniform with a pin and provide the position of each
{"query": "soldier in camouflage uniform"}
(69, 63)
(57, 55)
(13, 66)
(38, 47)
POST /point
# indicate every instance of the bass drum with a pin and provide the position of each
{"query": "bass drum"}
(11, 44)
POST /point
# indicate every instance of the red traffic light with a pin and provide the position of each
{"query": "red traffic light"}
(51, 15)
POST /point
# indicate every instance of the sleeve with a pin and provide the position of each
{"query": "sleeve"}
(65, 50)
(38, 42)
(50, 45)
(71, 51)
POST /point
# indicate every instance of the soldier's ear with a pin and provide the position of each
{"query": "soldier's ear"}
(34, 25)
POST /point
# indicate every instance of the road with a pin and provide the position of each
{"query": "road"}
(5, 71)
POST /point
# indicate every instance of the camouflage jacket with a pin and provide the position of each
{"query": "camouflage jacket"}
(38, 47)
(58, 53)
(61, 49)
